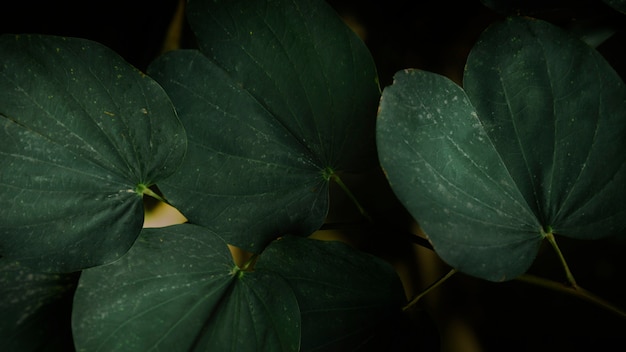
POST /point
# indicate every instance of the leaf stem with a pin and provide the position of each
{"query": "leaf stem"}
(330, 174)
(573, 288)
(248, 266)
(575, 291)
(570, 277)
(433, 286)
(142, 189)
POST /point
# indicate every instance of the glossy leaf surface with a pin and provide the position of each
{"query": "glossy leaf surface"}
(444, 169)
(81, 130)
(279, 93)
(558, 119)
(177, 289)
(347, 298)
(538, 146)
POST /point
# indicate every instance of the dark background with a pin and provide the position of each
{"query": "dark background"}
(470, 314)
(432, 35)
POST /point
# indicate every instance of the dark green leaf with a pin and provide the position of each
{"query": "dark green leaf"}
(545, 155)
(244, 176)
(35, 309)
(347, 298)
(302, 64)
(556, 112)
(282, 92)
(178, 289)
(444, 169)
(81, 130)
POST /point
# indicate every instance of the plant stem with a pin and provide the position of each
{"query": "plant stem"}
(247, 267)
(573, 288)
(333, 176)
(575, 291)
(145, 190)
(429, 288)
(570, 277)
(250, 263)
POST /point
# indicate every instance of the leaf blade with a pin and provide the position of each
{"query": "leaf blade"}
(242, 170)
(78, 122)
(178, 288)
(552, 110)
(304, 64)
(442, 166)
(567, 120)
(281, 92)
(348, 299)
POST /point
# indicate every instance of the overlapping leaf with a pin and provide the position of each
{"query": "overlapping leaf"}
(538, 146)
(557, 117)
(348, 299)
(81, 130)
(280, 94)
(177, 289)
(444, 169)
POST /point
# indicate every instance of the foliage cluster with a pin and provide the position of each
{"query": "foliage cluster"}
(250, 135)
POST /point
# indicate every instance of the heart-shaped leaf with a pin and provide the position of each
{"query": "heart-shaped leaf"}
(178, 289)
(84, 133)
(558, 118)
(244, 175)
(282, 95)
(35, 309)
(443, 168)
(347, 298)
(539, 148)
